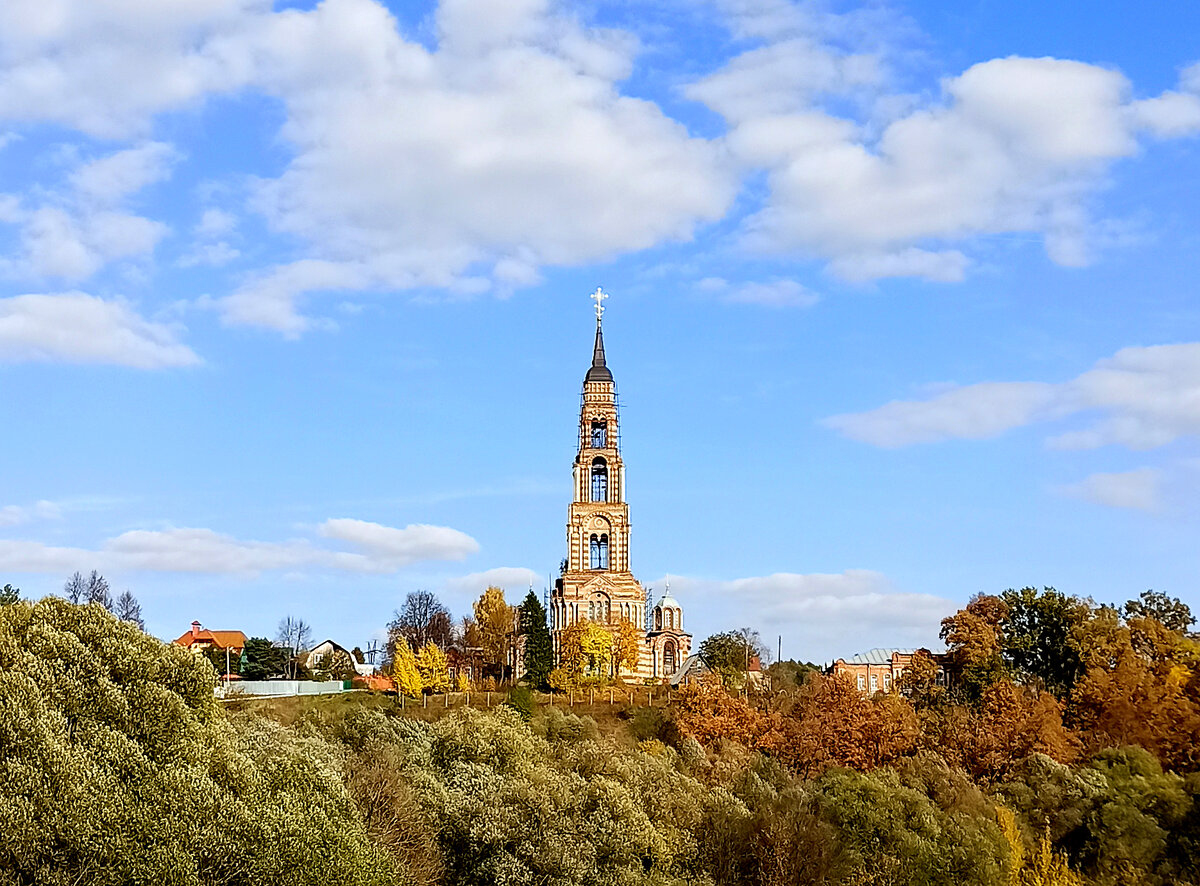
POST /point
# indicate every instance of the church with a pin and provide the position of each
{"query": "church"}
(597, 582)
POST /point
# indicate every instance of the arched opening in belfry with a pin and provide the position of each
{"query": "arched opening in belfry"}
(599, 479)
(604, 551)
(594, 552)
(599, 434)
(669, 658)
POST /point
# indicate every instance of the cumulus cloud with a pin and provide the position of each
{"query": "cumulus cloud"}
(1145, 397)
(506, 148)
(106, 66)
(400, 547)
(74, 327)
(1014, 145)
(1138, 490)
(820, 615)
(514, 579)
(381, 549)
(79, 228)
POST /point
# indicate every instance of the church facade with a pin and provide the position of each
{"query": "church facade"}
(597, 583)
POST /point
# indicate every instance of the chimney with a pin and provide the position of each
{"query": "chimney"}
(195, 628)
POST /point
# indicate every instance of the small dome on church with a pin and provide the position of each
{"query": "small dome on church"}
(668, 602)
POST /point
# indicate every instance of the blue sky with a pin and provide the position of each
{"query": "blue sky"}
(293, 303)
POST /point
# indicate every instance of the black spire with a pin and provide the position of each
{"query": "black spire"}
(599, 371)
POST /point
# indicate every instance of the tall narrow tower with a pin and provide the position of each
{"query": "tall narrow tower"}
(597, 584)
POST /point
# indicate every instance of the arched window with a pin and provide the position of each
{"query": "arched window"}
(594, 552)
(670, 619)
(669, 658)
(657, 619)
(599, 435)
(599, 479)
(604, 551)
(592, 611)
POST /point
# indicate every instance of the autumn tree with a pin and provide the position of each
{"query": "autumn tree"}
(404, 670)
(973, 642)
(497, 623)
(539, 650)
(584, 651)
(433, 668)
(918, 682)
(707, 712)
(627, 646)
(1141, 685)
(830, 723)
(1012, 723)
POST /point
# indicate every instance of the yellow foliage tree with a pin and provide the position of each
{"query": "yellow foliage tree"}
(627, 646)
(585, 650)
(496, 621)
(1044, 867)
(464, 685)
(404, 670)
(431, 664)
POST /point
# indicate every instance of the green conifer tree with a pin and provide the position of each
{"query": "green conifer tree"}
(539, 652)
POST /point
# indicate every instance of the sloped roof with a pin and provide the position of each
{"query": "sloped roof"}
(220, 639)
(877, 656)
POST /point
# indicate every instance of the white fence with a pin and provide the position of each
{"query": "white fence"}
(277, 688)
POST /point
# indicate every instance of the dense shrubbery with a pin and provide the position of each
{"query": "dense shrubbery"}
(116, 766)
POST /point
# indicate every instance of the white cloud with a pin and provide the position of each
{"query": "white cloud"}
(821, 616)
(14, 515)
(382, 549)
(516, 580)
(774, 294)
(1016, 145)
(1146, 397)
(74, 327)
(215, 223)
(507, 148)
(81, 227)
(1138, 490)
(401, 546)
(111, 178)
(106, 66)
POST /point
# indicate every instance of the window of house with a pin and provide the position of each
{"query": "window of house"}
(861, 683)
(599, 435)
(599, 480)
(874, 683)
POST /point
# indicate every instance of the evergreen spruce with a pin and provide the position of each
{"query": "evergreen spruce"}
(539, 653)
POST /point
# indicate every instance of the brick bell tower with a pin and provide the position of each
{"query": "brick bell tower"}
(597, 584)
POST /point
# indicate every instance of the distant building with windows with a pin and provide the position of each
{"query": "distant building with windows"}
(596, 583)
(878, 670)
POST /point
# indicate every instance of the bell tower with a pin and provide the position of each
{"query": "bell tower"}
(597, 583)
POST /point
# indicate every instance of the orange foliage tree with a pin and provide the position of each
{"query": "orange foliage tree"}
(831, 723)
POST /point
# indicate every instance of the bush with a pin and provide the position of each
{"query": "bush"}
(520, 699)
(116, 766)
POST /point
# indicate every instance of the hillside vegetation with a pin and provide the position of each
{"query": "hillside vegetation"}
(117, 766)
